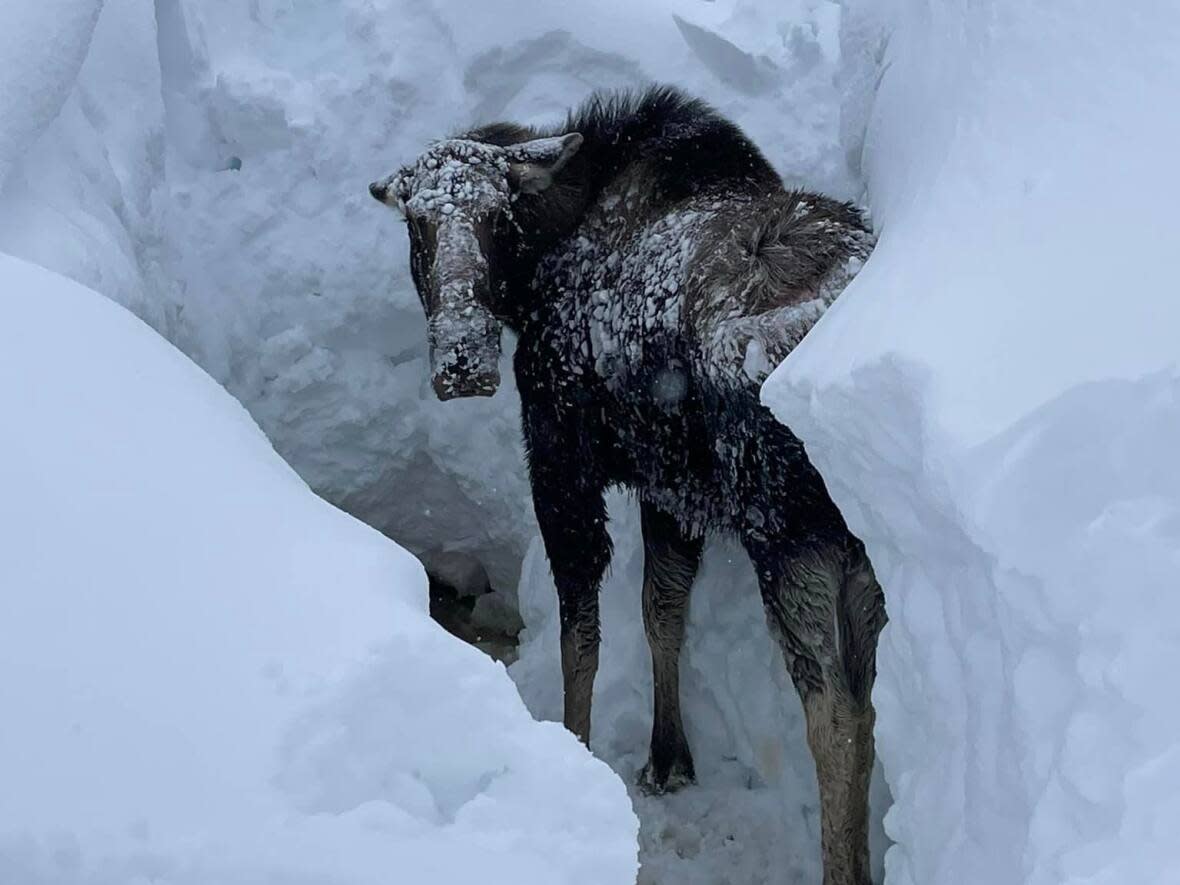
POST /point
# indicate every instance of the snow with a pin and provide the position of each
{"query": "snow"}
(82, 194)
(208, 674)
(42, 47)
(995, 405)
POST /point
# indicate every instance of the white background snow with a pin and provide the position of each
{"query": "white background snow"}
(994, 403)
(996, 406)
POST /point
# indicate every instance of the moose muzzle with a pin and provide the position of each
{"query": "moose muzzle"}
(464, 335)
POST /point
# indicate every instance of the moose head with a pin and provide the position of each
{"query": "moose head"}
(452, 197)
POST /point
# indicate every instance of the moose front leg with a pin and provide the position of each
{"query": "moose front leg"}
(578, 547)
(571, 512)
(579, 653)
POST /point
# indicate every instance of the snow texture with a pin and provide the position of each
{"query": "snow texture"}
(995, 405)
(42, 47)
(210, 675)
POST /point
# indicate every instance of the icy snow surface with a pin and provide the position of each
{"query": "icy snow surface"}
(208, 675)
(995, 404)
(42, 47)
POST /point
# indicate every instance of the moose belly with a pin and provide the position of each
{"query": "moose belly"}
(662, 453)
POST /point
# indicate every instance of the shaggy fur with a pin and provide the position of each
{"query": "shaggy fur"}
(652, 286)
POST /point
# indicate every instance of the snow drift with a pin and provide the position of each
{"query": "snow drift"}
(995, 404)
(209, 675)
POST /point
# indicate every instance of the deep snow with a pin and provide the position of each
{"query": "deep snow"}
(39, 74)
(210, 675)
(995, 403)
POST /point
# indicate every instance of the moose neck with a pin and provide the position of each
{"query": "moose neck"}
(696, 149)
(538, 224)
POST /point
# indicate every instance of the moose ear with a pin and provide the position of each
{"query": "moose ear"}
(532, 165)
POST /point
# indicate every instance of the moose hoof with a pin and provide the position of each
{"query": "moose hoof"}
(655, 780)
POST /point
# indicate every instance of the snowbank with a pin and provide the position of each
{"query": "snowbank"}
(209, 675)
(82, 194)
(42, 47)
(995, 404)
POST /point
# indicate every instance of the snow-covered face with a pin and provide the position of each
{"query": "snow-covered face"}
(450, 197)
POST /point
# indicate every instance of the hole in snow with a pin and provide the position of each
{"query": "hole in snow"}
(464, 603)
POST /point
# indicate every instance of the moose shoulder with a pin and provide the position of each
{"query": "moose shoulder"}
(655, 270)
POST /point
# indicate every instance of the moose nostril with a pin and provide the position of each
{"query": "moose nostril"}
(377, 189)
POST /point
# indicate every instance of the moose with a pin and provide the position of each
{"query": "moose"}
(655, 269)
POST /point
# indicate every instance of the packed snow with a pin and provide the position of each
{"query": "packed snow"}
(42, 46)
(995, 403)
(210, 675)
(992, 403)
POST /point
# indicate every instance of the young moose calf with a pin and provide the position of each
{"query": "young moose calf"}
(655, 270)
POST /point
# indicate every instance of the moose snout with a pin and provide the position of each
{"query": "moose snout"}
(378, 189)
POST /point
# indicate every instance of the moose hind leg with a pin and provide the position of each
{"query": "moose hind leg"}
(671, 558)
(827, 610)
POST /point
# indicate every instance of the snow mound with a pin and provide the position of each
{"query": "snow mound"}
(209, 169)
(83, 192)
(209, 675)
(995, 405)
(42, 47)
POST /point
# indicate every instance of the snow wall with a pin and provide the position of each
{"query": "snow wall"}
(995, 404)
(210, 675)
